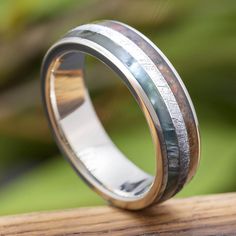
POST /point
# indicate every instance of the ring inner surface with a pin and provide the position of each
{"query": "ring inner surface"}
(82, 132)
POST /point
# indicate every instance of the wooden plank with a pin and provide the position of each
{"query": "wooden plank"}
(205, 215)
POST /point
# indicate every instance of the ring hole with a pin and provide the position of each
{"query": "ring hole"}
(79, 130)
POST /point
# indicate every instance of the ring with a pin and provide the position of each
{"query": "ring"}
(160, 94)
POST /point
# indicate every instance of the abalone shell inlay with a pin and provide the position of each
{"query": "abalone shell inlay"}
(168, 129)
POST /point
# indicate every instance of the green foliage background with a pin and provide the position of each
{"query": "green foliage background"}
(197, 36)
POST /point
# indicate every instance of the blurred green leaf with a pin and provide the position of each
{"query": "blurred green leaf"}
(17, 14)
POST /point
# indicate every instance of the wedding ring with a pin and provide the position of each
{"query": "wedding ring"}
(160, 94)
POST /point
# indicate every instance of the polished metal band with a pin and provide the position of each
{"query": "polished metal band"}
(160, 94)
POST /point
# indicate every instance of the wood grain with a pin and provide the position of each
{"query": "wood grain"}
(206, 215)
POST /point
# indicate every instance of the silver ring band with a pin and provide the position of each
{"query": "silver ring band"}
(158, 90)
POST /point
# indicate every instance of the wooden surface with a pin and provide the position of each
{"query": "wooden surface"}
(207, 215)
